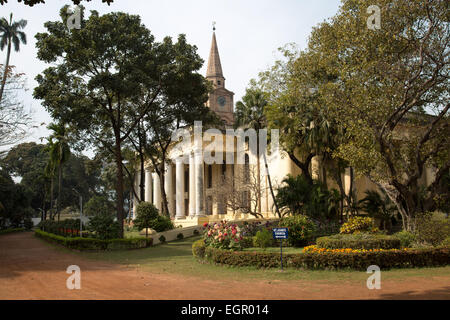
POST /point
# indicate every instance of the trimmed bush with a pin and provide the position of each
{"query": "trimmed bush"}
(358, 225)
(406, 238)
(66, 228)
(198, 248)
(360, 261)
(94, 243)
(301, 229)
(358, 241)
(180, 236)
(162, 239)
(161, 223)
(6, 231)
(104, 226)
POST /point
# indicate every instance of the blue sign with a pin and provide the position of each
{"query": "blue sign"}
(280, 233)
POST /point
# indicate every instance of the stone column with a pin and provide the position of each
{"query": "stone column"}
(199, 182)
(179, 185)
(137, 190)
(148, 185)
(191, 185)
(168, 186)
(156, 191)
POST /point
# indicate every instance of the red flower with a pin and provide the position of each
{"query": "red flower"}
(205, 224)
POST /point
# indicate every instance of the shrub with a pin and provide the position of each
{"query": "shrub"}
(432, 228)
(162, 239)
(98, 205)
(358, 224)
(11, 230)
(196, 232)
(326, 228)
(358, 241)
(104, 226)
(406, 238)
(66, 228)
(145, 215)
(301, 229)
(198, 248)
(246, 242)
(385, 259)
(263, 239)
(180, 236)
(223, 235)
(161, 223)
(446, 242)
(95, 243)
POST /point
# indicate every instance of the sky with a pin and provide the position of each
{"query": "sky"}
(248, 33)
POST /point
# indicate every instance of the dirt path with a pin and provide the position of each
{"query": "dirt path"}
(31, 269)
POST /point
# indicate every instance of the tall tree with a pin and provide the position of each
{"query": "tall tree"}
(59, 154)
(10, 34)
(391, 94)
(249, 113)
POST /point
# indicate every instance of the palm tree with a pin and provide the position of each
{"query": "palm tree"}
(250, 114)
(10, 34)
(59, 154)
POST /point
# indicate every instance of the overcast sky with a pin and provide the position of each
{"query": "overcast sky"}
(248, 33)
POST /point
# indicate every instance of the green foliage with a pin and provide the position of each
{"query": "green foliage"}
(98, 204)
(95, 243)
(406, 238)
(297, 195)
(103, 226)
(180, 236)
(378, 206)
(161, 223)
(11, 230)
(66, 228)
(301, 229)
(162, 239)
(147, 217)
(358, 261)
(263, 238)
(432, 228)
(359, 224)
(223, 235)
(198, 248)
(358, 241)
(28, 223)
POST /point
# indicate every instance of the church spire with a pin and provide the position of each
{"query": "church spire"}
(214, 67)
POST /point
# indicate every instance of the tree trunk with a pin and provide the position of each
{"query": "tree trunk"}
(51, 199)
(58, 202)
(258, 177)
(165, 205)
(8, 54)
(119, 184)
(270, 187)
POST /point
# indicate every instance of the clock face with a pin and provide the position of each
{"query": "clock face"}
(221, 101)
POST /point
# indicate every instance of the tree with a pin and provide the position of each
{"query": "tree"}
(15, 121)
(250, 114)
(391, 94)
(146, 214)
(33, 2)
(59, 152)
(10, 34)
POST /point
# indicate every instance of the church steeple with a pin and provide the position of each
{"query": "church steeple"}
(214, 71)
(220, 99)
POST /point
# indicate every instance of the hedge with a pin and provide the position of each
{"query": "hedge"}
(95, 244)
(5, 231)
(358, 261)
(355, 242)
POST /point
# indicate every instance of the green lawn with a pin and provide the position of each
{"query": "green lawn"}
(176, 257)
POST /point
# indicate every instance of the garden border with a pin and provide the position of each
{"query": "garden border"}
(384, 259)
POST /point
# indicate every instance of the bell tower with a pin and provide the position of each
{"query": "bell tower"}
(220, 99)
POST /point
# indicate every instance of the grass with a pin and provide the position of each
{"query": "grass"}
(176, 257)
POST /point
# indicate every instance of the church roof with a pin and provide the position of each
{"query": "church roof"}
(214, 66)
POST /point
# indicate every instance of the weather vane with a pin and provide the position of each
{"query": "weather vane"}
(214, 26)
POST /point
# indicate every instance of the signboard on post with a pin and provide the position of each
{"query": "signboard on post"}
(280, 233)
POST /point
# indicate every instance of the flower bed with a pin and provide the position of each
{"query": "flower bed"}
(94, 244)
(358, 259)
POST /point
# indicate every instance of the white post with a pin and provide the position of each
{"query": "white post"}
(148, 185)
(179, 188)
